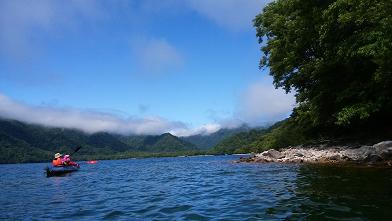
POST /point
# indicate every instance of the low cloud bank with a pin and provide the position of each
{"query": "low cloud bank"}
(260, 104)
(85, 120)
(94, 121)
(205, 129)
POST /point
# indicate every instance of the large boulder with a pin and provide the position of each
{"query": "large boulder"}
(384, 150)
(273, 154)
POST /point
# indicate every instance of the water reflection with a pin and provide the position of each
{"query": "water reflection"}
(343, 193)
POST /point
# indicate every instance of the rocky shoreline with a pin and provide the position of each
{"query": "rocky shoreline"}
(377, 154)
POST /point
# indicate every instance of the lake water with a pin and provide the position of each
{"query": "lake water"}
(195, 188)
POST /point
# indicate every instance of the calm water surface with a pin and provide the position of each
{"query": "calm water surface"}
(195, 188)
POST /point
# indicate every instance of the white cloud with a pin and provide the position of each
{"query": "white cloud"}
(236, 15)
(156, 55)
(21, 19)
(25, 23)
(202, 130)
(261, 103)
(88, 121)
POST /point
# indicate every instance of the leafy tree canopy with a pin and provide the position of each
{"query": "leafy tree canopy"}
(336, 55)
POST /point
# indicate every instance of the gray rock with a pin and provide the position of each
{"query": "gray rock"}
(384, 144)
(273, 154)
(384, 150)
(346, 158)
(334, 157)
(373, 159)
(298, 154)
(378, 154)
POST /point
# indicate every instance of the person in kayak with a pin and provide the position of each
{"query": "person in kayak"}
(57, 161)
(67, 161)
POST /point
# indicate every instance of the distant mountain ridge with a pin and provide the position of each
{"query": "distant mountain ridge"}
(22, 142)
(205, 142)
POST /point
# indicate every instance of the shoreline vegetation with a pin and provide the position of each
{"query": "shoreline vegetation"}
(120, 156)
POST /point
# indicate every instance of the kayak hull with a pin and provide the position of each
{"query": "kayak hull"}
(59, 171)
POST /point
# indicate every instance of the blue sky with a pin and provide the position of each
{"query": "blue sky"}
(142, 67)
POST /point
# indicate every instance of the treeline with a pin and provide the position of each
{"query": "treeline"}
(282, 134)
(335, 56)
(21, 142)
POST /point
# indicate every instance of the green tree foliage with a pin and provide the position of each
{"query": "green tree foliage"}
(208, 141)
(240, 143)
(281, 134)
(336, 55)
(20, 142)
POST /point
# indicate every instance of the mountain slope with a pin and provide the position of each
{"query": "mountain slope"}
(21, 142)
(240, 142)
(205, 142)
(161, 143)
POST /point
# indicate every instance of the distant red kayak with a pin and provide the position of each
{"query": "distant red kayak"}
(92, 162)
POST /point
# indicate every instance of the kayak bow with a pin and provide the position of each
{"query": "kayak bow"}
(58, 171)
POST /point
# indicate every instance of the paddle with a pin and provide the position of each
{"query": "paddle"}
(76, 150)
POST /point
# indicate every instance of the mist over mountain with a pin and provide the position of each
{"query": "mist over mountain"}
(21, 142)
(208, 141)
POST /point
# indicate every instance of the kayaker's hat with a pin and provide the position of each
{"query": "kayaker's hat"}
(57, 155)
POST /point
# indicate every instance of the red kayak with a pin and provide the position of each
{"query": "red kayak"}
(92, 162)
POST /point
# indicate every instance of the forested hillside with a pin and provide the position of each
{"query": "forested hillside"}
(335, 56)
(20, 142)
(206, 142)
(242, 142)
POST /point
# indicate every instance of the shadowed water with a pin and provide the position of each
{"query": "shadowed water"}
(195, 188)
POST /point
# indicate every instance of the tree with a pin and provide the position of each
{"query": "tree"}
(336, 55)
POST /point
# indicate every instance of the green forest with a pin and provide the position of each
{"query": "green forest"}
(21, 142)
(335, 56)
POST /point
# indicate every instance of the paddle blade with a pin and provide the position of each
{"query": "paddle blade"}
(77, 149)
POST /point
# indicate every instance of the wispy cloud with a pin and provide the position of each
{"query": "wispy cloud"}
(20, 20)
(202, 130)
(234, 15)
(156, 55)
(85, 120)
(261, 103)
(24, 24)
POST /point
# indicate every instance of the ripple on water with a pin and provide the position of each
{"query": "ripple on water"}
(197, 188)
(194, 216)
(175, 209)
(113, 214)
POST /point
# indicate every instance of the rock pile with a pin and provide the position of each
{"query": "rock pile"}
(380, 154)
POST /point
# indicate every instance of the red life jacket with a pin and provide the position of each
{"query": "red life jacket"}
(57, 162)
